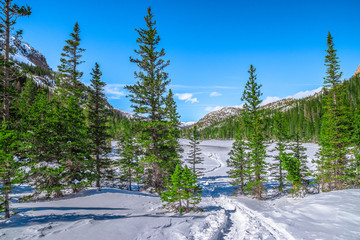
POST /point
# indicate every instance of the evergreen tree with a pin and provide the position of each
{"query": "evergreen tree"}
(172, 148)
(332, 165)
(354, 170)
(192, 190)
(10, 12)
(194, 155)
(129, 162)
(239, 164)
(70, 75)
(295, 165)
(42, 130)
(71, 133)
(148, 99)
(182, 187)
(27, 97)
(281, 133)
(9, 172)
(98, 129)
(73, 140)
(256, 140)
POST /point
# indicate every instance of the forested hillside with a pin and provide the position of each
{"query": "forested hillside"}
(303, 115)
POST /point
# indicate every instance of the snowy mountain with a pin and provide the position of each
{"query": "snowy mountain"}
(227, 112)
(29, 55)
(186, 124)
(282, 104)
(125, 114)
(217, 116)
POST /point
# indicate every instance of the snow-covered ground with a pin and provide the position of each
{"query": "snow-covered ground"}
(119, 214)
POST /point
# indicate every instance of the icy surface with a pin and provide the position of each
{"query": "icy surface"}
(119, 214)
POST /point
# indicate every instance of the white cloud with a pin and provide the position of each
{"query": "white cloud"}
(175, 86)
(269, 100)
(241, 106)
(211, 109)
(298, 95)
(215, 94)
(114, 91)
(305, 93)
(187, 97)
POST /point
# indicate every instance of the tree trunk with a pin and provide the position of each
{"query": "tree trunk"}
(6, 116)
(6, 196)
(6, 78)
(129, 179)
(98, 172)
(281, 185)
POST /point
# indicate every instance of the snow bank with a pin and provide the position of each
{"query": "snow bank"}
(118, 214)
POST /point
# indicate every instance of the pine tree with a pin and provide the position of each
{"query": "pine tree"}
(256, 140)
(192, 190)
(10, 12)
(354, 170)
(182, 187)
(74, 142)
(70, 60)
(295, 165)
(194, 155)
(98, 129)
(332, 165)
(129, 162)
(72, 133)
(281, 134)
(172, 147)
(239, 164)
(9, 167)
(42, 130)
(148, 99)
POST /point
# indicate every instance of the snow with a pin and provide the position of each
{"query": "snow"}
(186, 124)
(21, 58)
(119, 214)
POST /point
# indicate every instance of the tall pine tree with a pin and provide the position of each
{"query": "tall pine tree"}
(69, 98)
(70, 75)
(148, 97)
(256, 140)
(333, 162)
(10, 12)
(98, 129)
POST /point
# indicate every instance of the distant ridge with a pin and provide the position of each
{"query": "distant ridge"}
(358, 70)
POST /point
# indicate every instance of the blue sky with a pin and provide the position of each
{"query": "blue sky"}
(210, 44)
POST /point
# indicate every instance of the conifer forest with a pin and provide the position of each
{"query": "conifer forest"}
(75, 166)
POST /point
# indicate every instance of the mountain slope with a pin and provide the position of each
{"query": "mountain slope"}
(303, 115)
(29, 55)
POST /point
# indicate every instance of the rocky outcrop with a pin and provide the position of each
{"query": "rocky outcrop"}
(357, 71)
(30, 53)
(217, 116)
